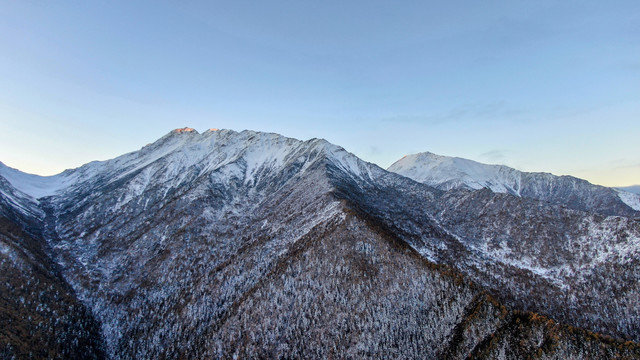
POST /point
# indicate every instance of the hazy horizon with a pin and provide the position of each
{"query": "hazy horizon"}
(631, 187)
(540, 87)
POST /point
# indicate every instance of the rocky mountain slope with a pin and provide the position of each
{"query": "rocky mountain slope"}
(40, 314)
(226, 244)
(579, 267)
(447, 173)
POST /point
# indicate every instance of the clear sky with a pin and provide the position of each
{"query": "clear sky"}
(539, 85)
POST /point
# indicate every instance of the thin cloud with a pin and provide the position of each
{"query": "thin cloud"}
(497, 155)
(628, 166)
(463, 113)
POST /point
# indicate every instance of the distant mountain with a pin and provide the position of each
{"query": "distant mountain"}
(447, 173)
(632, 189)
(246, 244)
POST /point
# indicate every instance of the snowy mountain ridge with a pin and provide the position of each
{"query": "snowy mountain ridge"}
(453, 172)
(446, 173)
(213, 244)
(182, 149)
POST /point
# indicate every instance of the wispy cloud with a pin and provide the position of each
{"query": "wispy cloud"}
(464, 113)
(628, 166)
(497, 155)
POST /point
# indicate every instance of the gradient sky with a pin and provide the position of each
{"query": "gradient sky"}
(548, 86)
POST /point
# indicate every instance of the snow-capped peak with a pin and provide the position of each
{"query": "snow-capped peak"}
(448, 173)
(184, 130)
(183, 151)
(452, 172)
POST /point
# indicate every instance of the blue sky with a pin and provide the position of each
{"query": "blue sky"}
(539, 86)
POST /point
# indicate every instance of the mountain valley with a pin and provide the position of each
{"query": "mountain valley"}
(227, 244)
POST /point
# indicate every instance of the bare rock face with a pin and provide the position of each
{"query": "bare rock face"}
(238, 245)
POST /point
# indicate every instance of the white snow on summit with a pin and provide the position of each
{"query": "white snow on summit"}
(452, 172)
(183, 152)
(448, 173)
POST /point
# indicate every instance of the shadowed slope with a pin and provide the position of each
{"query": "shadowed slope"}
(230, 244)
(39, 312)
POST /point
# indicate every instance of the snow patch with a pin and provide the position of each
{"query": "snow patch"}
(629, 198)
(10, 253)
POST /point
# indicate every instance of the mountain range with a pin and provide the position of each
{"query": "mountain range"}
(447, 173)
(245, 244)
